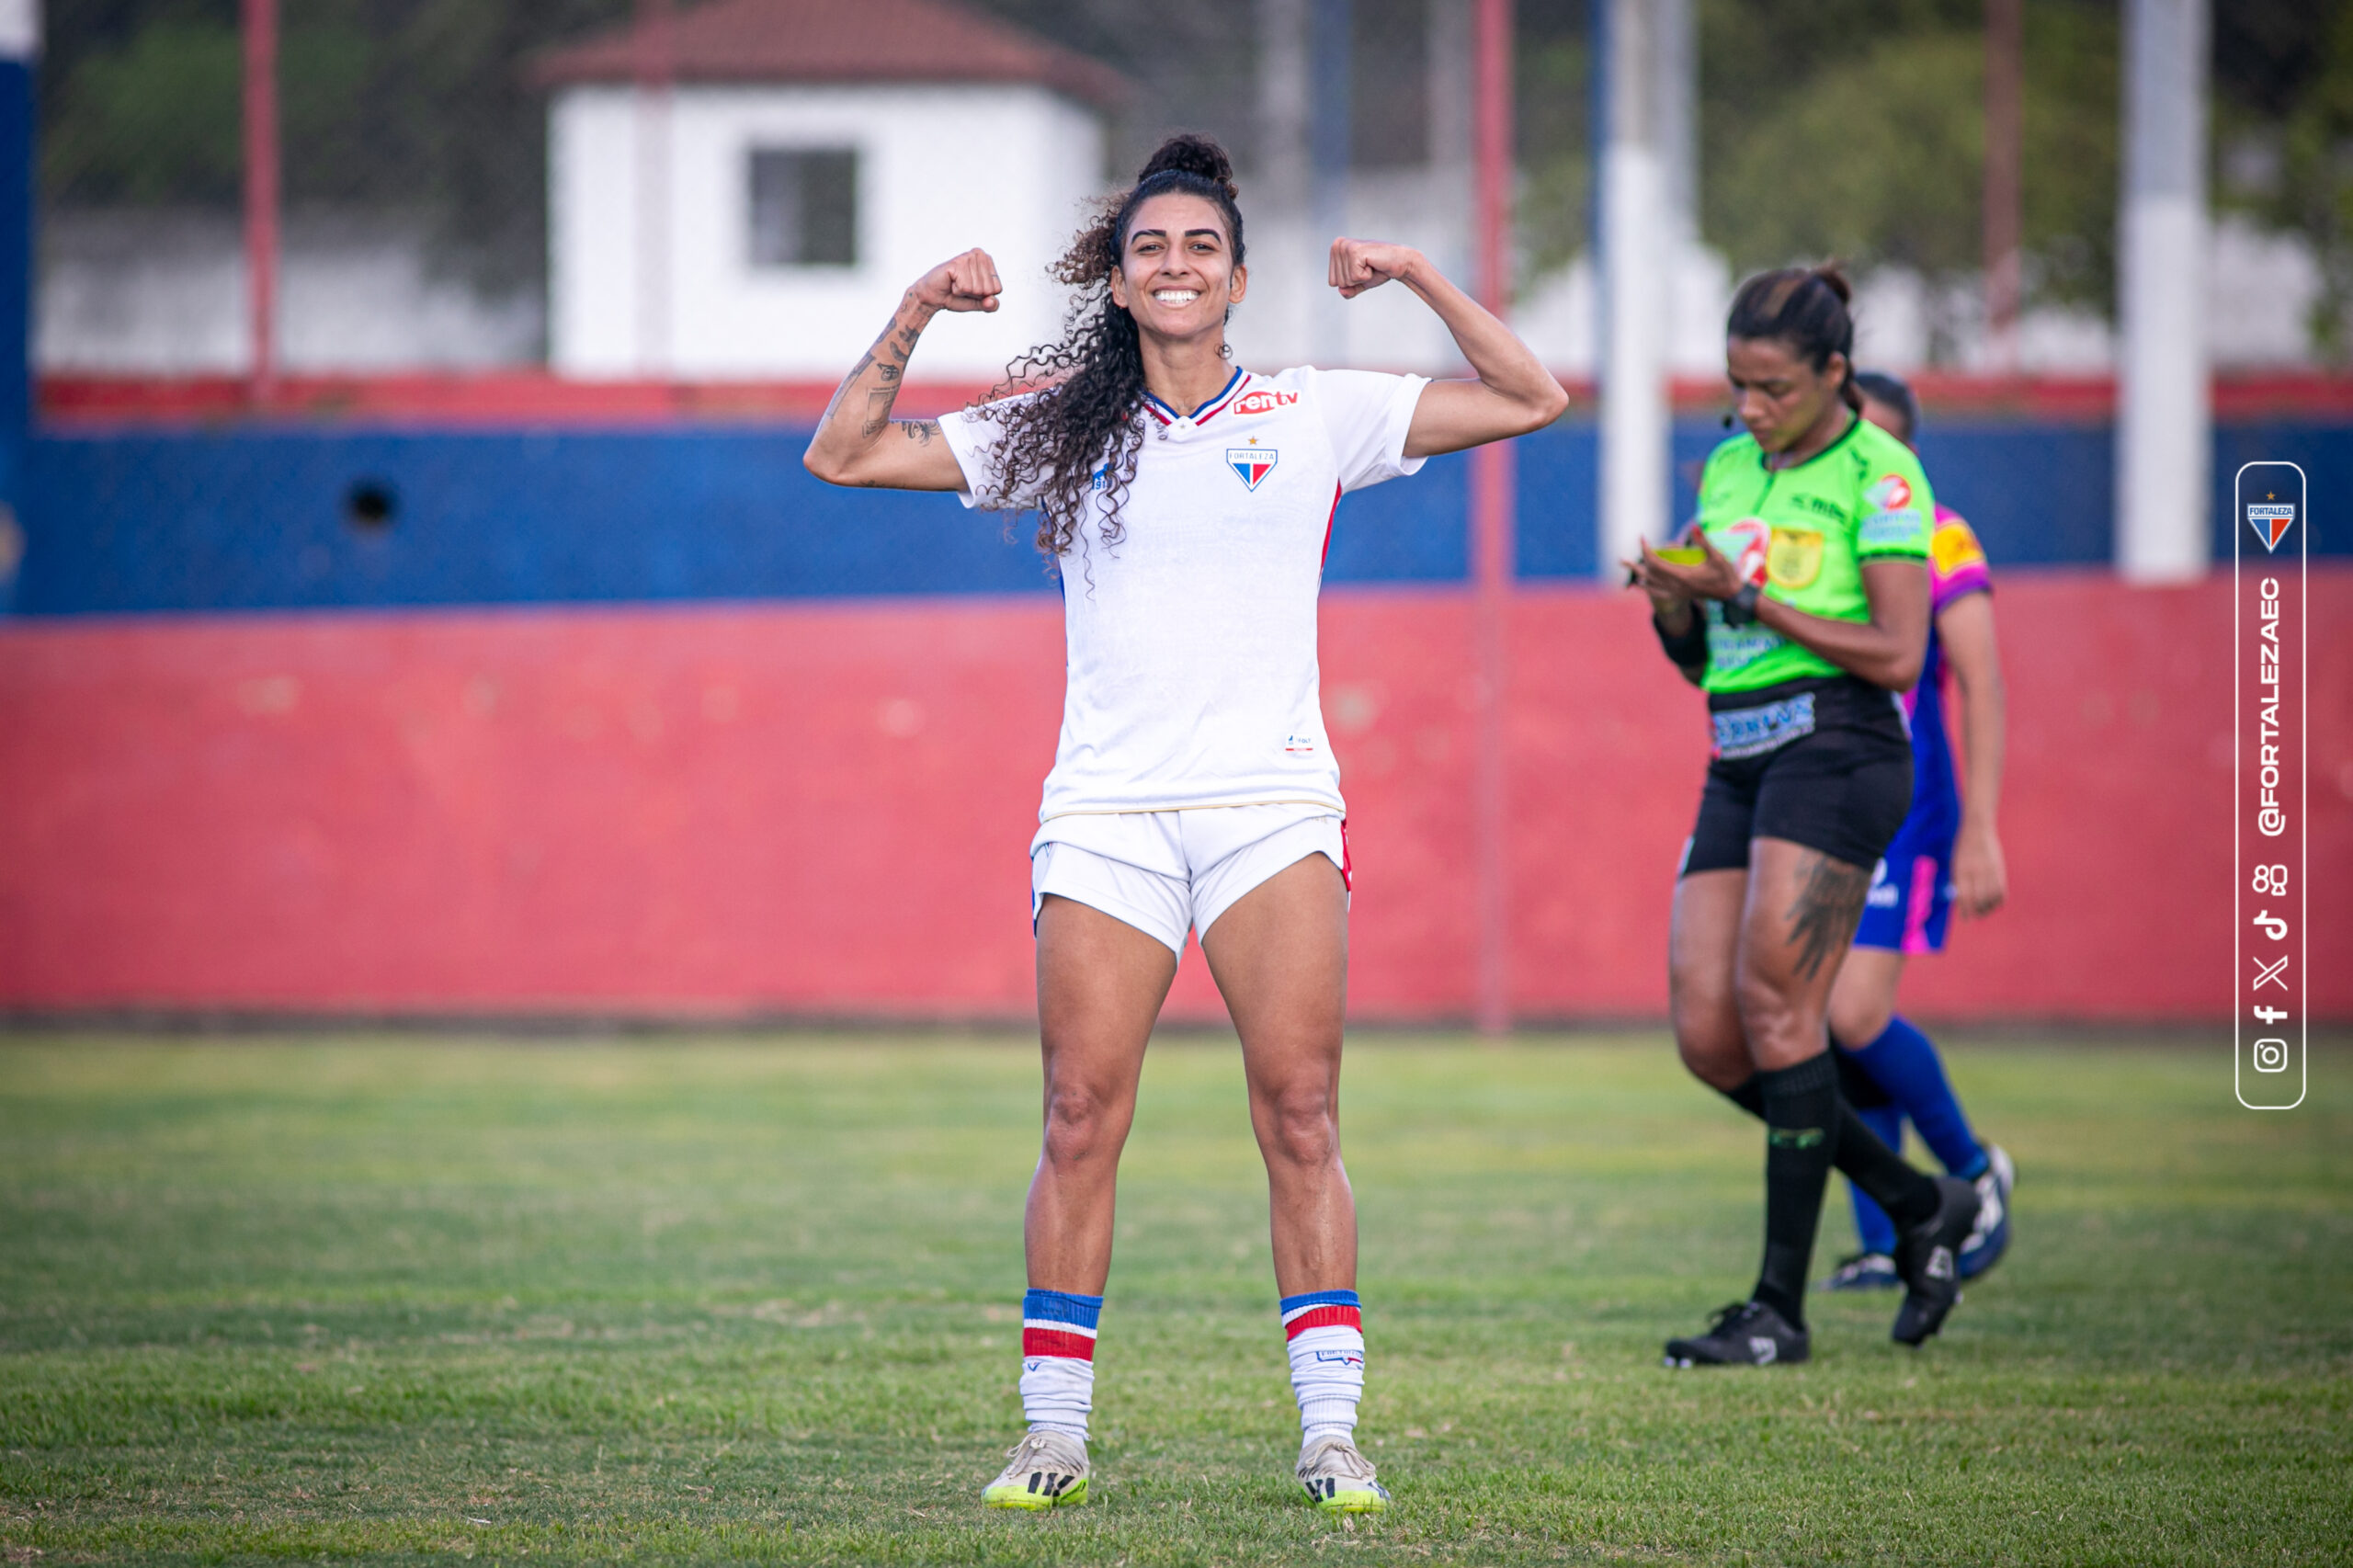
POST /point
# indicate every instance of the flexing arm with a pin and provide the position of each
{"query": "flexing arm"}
(1887, 650)
(1966, 626)
(857, 442)
(1513, 394)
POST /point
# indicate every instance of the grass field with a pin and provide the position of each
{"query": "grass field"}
(410, 1301)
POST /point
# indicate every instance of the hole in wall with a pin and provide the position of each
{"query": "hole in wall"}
(370, 505)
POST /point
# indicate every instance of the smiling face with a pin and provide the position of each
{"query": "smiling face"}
(1778, 396)
(1176, 272)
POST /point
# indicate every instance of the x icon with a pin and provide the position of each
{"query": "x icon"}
(2268, 973)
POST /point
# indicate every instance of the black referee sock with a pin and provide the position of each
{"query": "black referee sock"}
(1886, 1179)
(1885, 1176)
(1802, 1116)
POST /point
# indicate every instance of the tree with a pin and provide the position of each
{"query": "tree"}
(1866, 143)
(414, 107)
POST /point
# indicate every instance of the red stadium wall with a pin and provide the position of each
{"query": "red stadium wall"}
(823, 809)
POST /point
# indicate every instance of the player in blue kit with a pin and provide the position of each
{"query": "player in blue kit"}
(1948, 851)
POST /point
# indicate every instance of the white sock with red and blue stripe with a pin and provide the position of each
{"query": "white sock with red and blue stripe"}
(1326, 1333)
(1058, 1361)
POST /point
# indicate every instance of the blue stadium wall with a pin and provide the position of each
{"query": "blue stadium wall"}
(372, 719)
(278, 518)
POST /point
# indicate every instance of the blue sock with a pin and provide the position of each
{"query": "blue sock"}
(1904, 1062)
(1872, 1227)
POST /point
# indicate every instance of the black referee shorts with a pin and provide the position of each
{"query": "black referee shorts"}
(1823, 763)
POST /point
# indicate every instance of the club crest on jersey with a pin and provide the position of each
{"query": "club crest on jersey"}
(2270, 521)
(1793, 559)
(1252, 463)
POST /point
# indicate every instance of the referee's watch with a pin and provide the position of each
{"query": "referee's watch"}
(1741, 608)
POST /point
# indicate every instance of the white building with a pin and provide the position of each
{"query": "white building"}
(141, 291)
(761, 214)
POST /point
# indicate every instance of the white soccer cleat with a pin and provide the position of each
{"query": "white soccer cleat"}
(1045, 1470)
(1990, 1237)
(1338, 1479)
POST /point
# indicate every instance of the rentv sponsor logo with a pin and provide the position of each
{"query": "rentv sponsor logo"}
(1264, 402)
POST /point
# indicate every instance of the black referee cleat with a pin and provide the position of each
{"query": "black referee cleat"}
(1745, 1334)
(1927, 1260)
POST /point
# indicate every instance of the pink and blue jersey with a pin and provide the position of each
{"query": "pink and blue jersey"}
(1910, 891)
(1956, 569)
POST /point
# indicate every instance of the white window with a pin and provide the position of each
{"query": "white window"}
(803, 204)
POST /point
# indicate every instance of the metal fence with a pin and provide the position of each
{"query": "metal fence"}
(408, 146)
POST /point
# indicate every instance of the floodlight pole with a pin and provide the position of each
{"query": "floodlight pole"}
(19, 67)
(1638, 244)
(1330, 132)
(2004, 95)
(2163, 415)
(1491, 531)
(261, 199)
(1289, 272)
(656, 72)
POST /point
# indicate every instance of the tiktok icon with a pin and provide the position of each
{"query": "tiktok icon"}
(2268, 747)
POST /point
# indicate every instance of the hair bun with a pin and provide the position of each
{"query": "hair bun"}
(1194, 155)
(1830, 272)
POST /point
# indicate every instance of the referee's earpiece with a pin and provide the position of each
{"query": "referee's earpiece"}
(1727, 421)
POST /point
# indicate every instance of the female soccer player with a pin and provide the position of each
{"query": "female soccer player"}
(1803, 616)
(1186, 504)
(1947, 849)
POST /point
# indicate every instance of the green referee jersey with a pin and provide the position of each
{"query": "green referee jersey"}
(1860, 499)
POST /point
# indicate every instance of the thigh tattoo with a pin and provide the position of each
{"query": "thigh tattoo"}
(1824, 916)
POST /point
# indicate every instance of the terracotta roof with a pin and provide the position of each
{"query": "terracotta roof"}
(835, 40)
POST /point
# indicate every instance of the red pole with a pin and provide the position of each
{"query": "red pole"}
(1491, 531)
(261, 196)
(2005, 90)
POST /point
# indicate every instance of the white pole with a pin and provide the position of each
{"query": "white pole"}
(1678, 86)
(1637, 235)
(2164, 419)
(1331, 54)
(1284, 262)
(1453, 173)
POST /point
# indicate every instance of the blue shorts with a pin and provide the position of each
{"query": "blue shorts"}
(1911, 896)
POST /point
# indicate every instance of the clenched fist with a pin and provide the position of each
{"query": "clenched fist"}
(968, 283)
(1359, 264)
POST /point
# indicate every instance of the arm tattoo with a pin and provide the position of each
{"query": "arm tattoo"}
(919, 431)
(864, 365)
(888, 360)
(1823, 915)
(887, 371)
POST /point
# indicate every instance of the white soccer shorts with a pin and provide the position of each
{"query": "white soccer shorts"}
(1167, 872)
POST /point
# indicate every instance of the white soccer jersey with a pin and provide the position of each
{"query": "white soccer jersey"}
(1191, 643)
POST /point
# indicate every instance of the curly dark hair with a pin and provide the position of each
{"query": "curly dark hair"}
(1082, 428)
